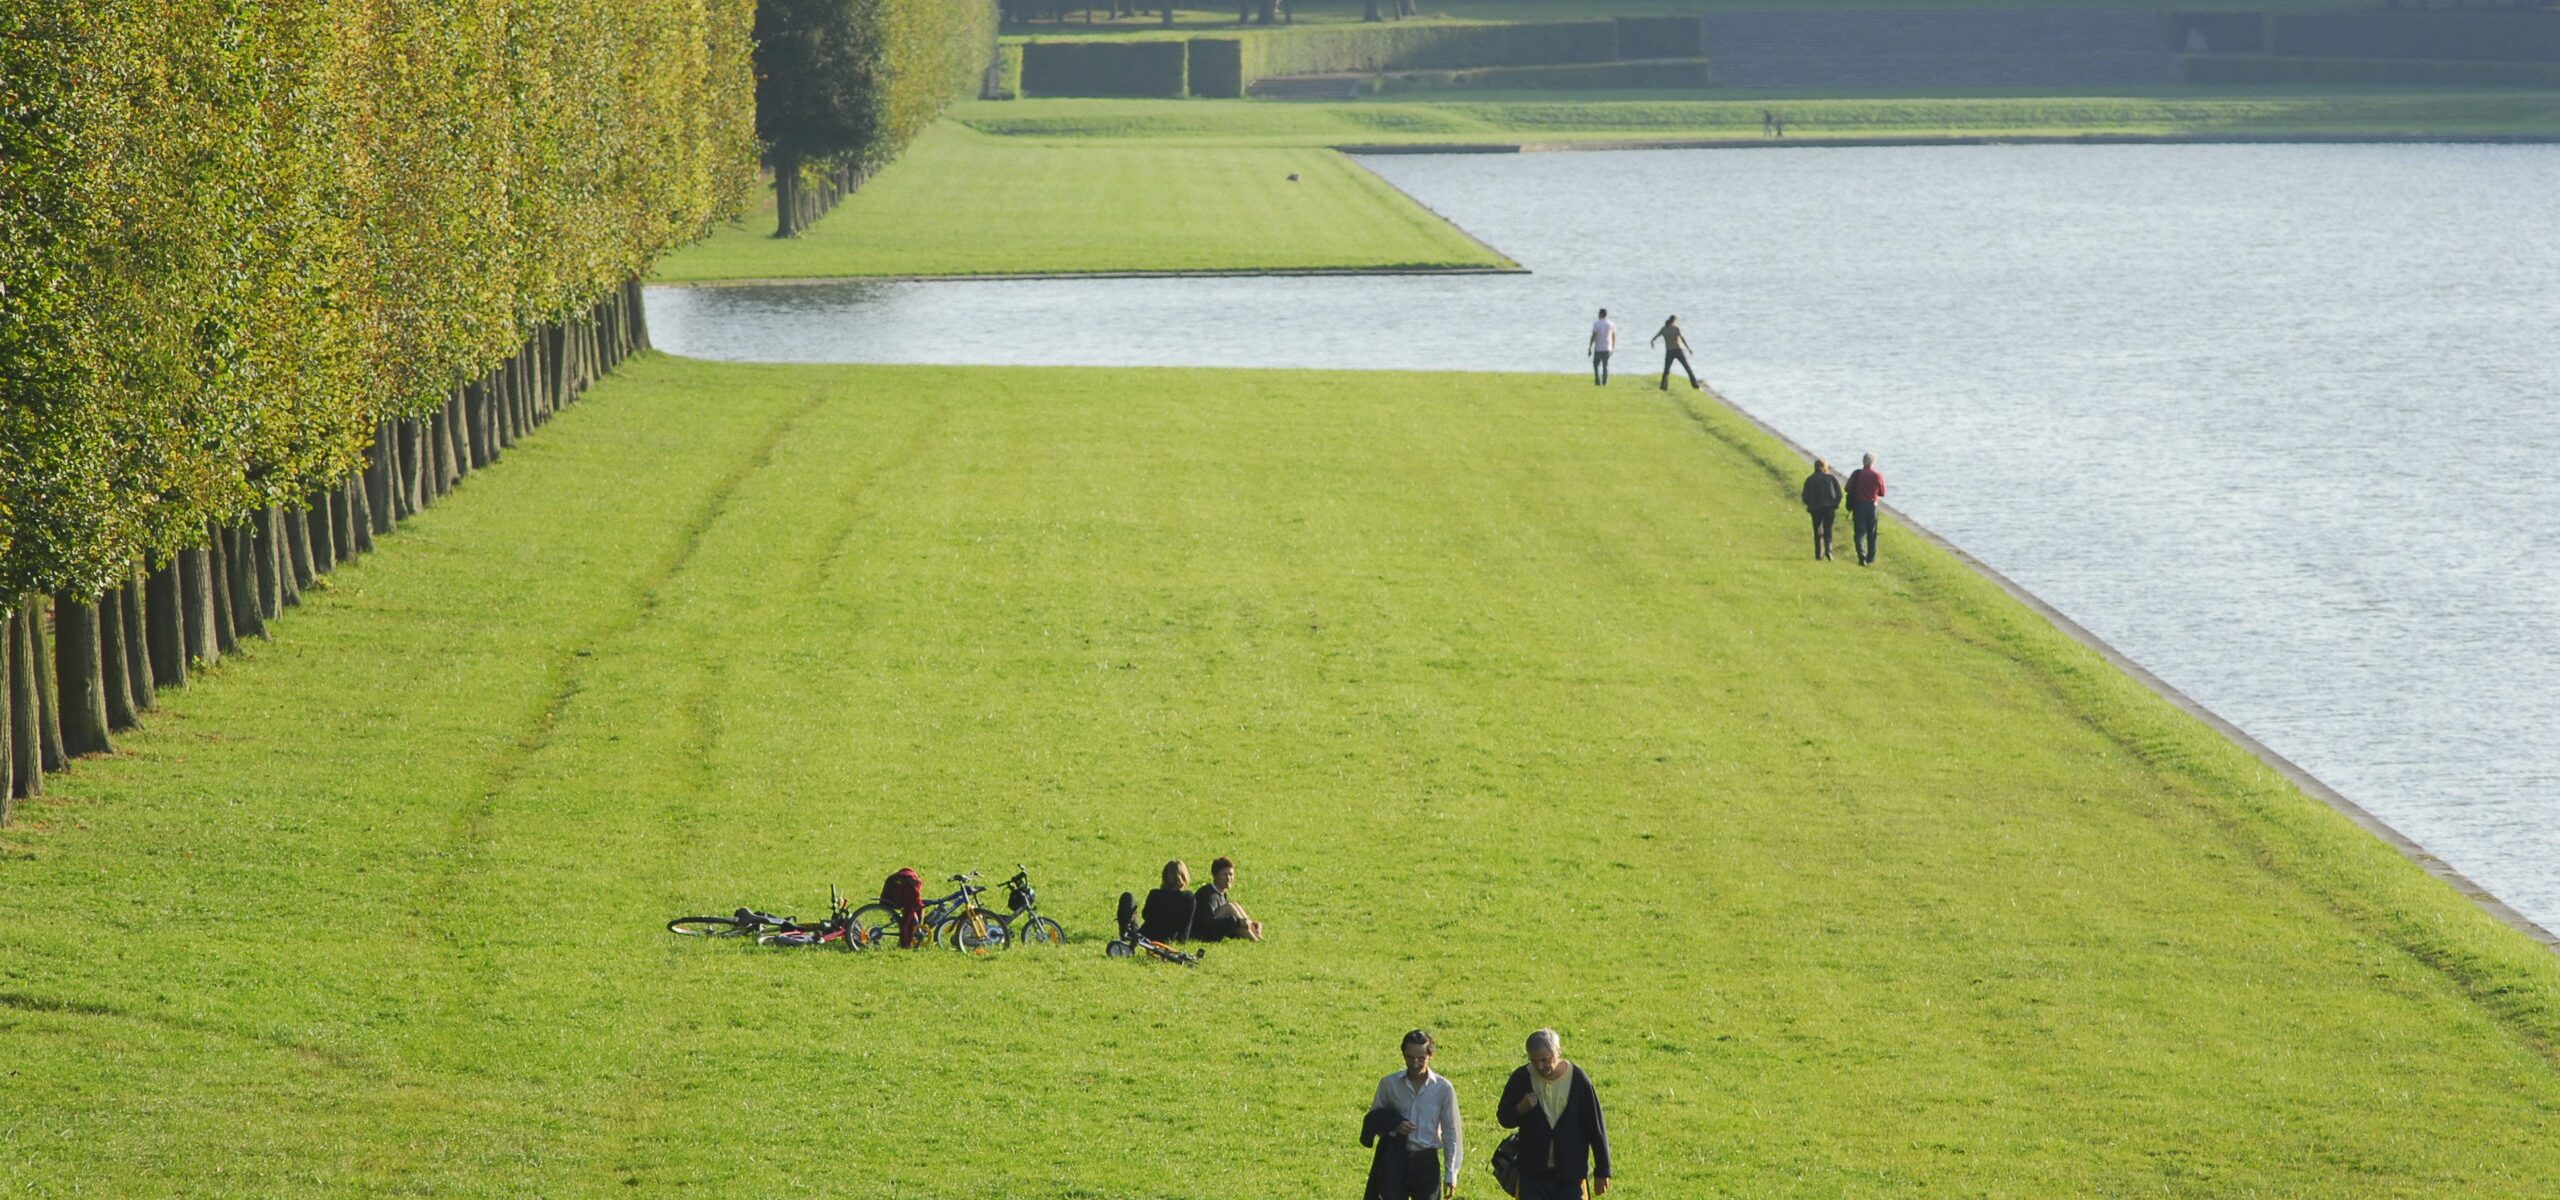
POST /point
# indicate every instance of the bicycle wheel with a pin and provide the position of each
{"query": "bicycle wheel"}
(1040, 931)
(710, 927)
(1119, 949)
(878, 923)
(976, 935)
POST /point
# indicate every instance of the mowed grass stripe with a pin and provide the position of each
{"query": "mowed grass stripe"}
(961, 203)
(1518, 701)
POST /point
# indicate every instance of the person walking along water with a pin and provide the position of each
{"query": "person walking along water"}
(1822, 501)
(1419, 1109)
(1675, 349)
(1866, 486)
(1604, 342)
(1563, 1139)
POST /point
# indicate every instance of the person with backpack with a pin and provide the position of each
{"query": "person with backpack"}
(1822, 495)
(1413, 1119)
(1866, 486)
(1563, 1139)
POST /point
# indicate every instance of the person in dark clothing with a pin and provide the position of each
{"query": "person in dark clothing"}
(1387, 1164)
(1167, 916)
(1215, 916)
(1675, 349)
(1866, 486)
(1563, 1139)
(1822, 499)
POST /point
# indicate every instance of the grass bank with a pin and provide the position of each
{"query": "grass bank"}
(963, 203)
(1518, 700)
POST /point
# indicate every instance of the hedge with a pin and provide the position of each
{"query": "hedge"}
(1105, 68)
(2224, 32)
(1007, 84)
(1666, 75)
(2243, 69)
(1661, 37)
(1217, 67)
(842, 86)
(2443, 36)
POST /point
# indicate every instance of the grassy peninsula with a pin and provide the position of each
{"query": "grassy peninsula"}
(1520, 703)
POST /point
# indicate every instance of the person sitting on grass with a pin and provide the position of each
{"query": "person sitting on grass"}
(1215, 916)
(1167, 916)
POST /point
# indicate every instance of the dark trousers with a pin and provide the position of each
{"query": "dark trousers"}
(1533, 1187)
(1421, 1178)
(1681, 357)
(1822, 530)
(1862, 531)
(1599, 366)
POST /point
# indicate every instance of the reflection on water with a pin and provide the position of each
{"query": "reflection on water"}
(2274, 420)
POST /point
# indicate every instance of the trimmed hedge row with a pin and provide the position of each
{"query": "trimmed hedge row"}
(1666, 75)
(1106, 68)
(264, 264)
(2224, 32)
(2439, 36)
(1662, 37)
(2245, 69)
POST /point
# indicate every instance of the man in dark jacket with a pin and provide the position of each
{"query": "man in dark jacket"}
(1866, 486)
(1822, 500)
(1562, 1137)
(1215, 916)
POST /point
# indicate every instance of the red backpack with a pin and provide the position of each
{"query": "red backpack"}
(903, 893)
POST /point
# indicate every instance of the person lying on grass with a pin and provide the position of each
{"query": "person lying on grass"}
(1215, 916)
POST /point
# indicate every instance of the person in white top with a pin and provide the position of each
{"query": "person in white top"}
(1434, 1137)
(1604, 341)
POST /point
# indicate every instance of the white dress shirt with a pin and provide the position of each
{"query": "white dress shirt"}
(1433, 1109)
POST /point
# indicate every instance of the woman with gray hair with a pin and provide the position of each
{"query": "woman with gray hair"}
(1563, 1139)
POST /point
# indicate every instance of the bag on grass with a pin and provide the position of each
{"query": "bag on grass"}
(1506, 1165)
(903, 894)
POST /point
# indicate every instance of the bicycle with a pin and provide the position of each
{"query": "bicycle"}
(1024, 921)
(1131, 943)
(839, 930)
(986, 931)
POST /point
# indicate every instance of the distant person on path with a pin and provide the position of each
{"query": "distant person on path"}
(1562, 1137)
(1414, 1119)
(1167, 916)
(1604, 342)
(1768, 123)
(1216, 917)
(1866, 486)
(1781, 125)
(1822, 495)
(1675, 349)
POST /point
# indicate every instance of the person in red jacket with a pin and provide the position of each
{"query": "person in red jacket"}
(1866, 486)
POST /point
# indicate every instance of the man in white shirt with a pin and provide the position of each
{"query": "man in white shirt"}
(1604, 342)
(1434, 1138)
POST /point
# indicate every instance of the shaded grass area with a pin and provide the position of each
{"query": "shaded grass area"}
(1518, 701)
(960, 203)
(1543, 117)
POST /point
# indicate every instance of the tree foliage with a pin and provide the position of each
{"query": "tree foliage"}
(235, 237)
(851, 82)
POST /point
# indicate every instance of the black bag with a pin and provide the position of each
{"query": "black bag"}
(1506, 1165)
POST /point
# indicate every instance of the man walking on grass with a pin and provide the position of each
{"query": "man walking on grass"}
(1866, 486)
(1604, 342)
(1562, 1137)
(1419, 1107)
(1675, 349)
(1822, 501)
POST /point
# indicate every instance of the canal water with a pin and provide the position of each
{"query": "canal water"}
(2279, 422)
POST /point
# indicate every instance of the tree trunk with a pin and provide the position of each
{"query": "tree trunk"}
(639, 313)
(240, 551)
(195, 605)
(342, 521)
(48, 706)
(165, 634)
(226, 623)
(786, 195)
(137, 643)
(377, 478)
(26, 742)
(266, 553)
(297, 550)
(315, 525)
(79, 675)
(359, 515)
(1371, 13)
(115, 670)
(8, 723)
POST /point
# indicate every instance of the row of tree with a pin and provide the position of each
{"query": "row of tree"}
(275, 275)
(842, 86)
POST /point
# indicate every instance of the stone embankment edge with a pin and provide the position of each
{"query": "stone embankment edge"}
(2310, 784)
(2056, 139)
(1509, 263)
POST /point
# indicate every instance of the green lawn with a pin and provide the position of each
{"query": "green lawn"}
(961, 203)
(1519, 702)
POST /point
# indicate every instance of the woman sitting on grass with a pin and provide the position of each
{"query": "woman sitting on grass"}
(1167, 916)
